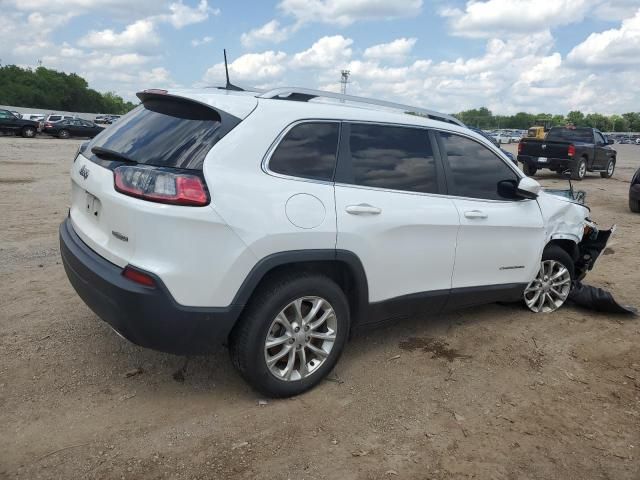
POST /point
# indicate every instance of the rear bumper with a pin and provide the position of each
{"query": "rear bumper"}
(551, 163)
(148, 317)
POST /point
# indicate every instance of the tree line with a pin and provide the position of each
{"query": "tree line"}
(48, 89)
(485, 119)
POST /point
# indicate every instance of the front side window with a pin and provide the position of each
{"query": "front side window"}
(308, 150)
(474, 170)
(393, 157)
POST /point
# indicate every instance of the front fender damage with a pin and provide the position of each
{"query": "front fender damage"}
(591, 247)
(568, 220)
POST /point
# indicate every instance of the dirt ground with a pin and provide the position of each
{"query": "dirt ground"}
(489, 393)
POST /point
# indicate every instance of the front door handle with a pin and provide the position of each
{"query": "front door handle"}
(363, 209)
(475, 214)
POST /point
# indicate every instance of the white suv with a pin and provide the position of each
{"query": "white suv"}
(279, 222)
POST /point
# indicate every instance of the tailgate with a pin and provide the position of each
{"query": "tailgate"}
(97, 214)
(543, 148)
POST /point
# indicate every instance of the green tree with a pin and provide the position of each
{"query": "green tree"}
(52, 90)
(576, 118)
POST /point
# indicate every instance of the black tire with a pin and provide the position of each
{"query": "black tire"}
(529, 170)
(557, 254)
(611, 166)
(554, 252)
(634, 205)
(246, 342)
(28, 132)
(579, 169)
(64, 134)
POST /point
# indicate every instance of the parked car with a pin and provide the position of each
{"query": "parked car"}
(502, 137)
(495, 142)
(56, 117)
(112, 119)
(634, 193)
(72, 128)
(279, 225)
(580, 150)
(9, 123)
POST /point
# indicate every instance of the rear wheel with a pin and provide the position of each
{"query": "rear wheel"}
(611, 166)
(64, 134)
(529, 170)
(579, 170)
(291, 334)
(550, 289)
(634, 205)
(28, 132)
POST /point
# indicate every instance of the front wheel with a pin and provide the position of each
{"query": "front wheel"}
(550, 289)
(291, 334)
(529, 170)
(634, 205)
(611, 166)
(28, 132)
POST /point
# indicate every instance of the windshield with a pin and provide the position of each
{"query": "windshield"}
(166, 132)
(571, 135)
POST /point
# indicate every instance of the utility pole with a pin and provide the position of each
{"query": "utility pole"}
(344, 79)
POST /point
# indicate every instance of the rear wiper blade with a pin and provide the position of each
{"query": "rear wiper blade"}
(108, 153)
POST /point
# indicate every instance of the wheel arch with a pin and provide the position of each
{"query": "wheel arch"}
(342, 266)
(568, 245)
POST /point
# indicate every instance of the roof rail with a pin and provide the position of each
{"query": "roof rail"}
(306, 94)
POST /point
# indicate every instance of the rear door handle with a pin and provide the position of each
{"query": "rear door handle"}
(475, 214)
(363, 209)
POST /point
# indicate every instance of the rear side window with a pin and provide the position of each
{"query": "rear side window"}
(474, 170)
(167, 132)
(308, 150)
(393, 157)
(570, 134)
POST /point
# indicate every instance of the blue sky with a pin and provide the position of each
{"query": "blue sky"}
(508, 55)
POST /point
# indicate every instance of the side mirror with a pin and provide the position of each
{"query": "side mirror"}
(610, 141)
(528, 188)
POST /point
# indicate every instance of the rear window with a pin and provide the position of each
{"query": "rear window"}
(571, 135)
(167, 132)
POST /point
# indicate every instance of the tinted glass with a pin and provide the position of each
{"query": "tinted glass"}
(475, 170)
(398, 158)
(164, 132)
(571, 135)
(308, 150)
(5, 114)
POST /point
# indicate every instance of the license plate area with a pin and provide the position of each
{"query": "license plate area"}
(542, 159)
(92, 206)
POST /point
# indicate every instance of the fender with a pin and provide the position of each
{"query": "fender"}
(360, 299)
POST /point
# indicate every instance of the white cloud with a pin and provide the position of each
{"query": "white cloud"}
(326, 52)
(618, 47)
(396, 50)
(493, 18)
(196, 42)
(183, 15)
(269, 32)
(616, 9)
(251, 67)
(346, 12)
(136, 36)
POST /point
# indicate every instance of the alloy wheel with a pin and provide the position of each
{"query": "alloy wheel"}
(300, 338)
(550, 289)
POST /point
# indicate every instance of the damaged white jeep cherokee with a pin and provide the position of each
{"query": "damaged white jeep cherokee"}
(279, 222)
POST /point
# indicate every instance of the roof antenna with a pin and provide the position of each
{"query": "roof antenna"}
(229, 85)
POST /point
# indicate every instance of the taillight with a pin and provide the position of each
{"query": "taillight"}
(139, 277)
(571, 150)
(160, 185)
(520, 147)
(48, 125)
